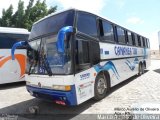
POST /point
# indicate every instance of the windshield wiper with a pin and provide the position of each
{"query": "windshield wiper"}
(46, 65)
(36, 58)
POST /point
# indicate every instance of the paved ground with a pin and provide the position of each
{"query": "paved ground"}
(14, 99)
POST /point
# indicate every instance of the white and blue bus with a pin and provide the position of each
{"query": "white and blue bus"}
(76, 55)
(12, 71)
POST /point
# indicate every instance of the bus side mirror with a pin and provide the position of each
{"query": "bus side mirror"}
(61, 37)
(18, 44)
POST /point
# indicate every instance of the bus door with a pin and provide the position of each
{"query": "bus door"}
(87, 54)
(86, 45)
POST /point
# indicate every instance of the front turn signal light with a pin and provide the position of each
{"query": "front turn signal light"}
(61, 87)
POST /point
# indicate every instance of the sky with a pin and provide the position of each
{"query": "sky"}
(140, 16)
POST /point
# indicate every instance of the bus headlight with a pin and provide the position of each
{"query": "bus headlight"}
(61, 87)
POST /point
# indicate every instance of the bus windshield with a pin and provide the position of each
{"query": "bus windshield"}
(8, 39)
(44, 57)
(52, 24)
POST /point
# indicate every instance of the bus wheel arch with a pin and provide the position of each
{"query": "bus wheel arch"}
(104, 77)
(107, 77)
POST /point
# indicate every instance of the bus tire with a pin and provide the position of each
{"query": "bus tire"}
(141, 69)
(100, 87)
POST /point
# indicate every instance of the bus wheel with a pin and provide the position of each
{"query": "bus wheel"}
(100, 87)
(141, 69)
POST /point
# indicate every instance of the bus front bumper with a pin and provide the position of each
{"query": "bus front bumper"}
(59, 97)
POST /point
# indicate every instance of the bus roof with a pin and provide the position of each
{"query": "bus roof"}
(52, 14)
(71, 9)
(14, 30)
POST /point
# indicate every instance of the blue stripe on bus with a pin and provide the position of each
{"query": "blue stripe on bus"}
(107, 66)
(132, 65)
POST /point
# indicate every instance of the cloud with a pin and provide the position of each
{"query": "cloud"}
(89, 5)
(120, 3)
(135, 20)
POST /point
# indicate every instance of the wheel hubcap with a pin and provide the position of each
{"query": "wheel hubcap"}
(101, 86)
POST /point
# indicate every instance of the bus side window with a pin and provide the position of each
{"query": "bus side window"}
(87, 24)
(6, 41)
(129, 36)
(121, 35)
(139, 40)
(133, 39)
(106, 31)
(136, 40)
(94, 52)
(126, 37)
(82, 55)
(143, 42)
(148, 43)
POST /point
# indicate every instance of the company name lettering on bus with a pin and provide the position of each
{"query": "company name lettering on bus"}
(134, 51)
(84, 76)
(121, 50)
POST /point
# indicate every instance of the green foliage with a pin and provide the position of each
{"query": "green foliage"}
(17, 19)
(38, 11)
(24, 18)
(6, 19)
(27, 22)
(52, 9)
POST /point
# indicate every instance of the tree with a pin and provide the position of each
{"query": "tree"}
(52, 9)
(18, 17)
(6, 19)
(27, 21)
(25, 18)
(38, 11)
